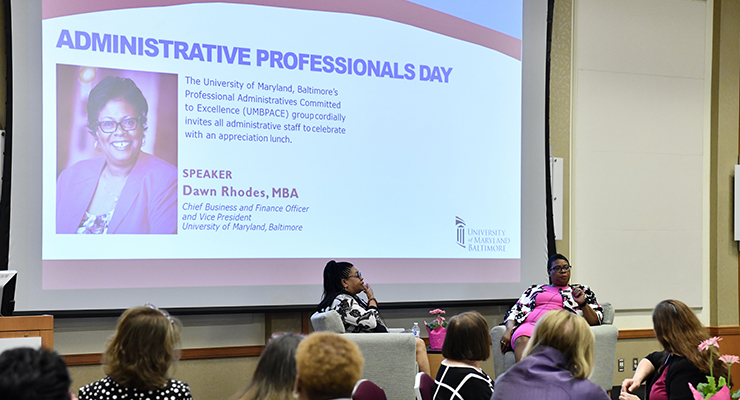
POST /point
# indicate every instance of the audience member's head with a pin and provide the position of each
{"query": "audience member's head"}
(30, 374)
(679, 331)
(334, 273)
(329, 365)
(275, 375)
(143, 348)
(569, 334)
(467, 338)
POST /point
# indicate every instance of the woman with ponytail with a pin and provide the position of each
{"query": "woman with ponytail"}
(342, 285)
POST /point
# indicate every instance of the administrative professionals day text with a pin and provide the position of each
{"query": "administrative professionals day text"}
(353, 133)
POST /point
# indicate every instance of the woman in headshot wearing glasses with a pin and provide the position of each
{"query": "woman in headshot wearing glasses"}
(139, 357)
(342, 284)
(124, 190)
(539, 299)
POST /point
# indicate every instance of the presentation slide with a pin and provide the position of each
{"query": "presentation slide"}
(242, 144)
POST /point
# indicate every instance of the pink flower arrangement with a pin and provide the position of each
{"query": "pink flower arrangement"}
(439, 320)
(713, 341)
(712, 387)
(721, 394)
(729, 360)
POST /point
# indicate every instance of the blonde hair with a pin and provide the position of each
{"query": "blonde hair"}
(141, 352)
(569, 334)
(328, 365)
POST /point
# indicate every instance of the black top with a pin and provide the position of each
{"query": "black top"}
(680, 373)
(462, 383)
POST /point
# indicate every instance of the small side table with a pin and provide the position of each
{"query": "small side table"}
(435, 359)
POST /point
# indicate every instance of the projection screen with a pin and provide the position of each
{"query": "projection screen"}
(404, 137)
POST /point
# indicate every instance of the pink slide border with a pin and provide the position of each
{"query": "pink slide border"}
(119, 274)
(393, 10)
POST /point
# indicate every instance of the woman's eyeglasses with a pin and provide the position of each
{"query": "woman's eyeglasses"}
(128, 124)
(358, 275)
(565, 268)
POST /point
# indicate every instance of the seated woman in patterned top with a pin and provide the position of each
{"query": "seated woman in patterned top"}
(342, 283)
(539, 299)
(138, 359)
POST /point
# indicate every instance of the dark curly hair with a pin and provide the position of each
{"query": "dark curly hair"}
(111, 88)
(30, 374)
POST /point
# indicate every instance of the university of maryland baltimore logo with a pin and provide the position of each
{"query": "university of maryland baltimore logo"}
(460, 225)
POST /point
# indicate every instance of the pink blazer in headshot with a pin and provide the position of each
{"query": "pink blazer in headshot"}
(147, 204)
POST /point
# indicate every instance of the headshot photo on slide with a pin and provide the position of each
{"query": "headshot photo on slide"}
(116, 151)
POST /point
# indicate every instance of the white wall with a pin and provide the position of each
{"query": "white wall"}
(90, 335)
(639, 162)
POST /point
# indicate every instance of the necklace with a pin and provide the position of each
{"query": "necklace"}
(115, 197)
(111, 193)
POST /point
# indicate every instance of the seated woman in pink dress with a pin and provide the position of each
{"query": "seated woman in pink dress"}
(539, 299)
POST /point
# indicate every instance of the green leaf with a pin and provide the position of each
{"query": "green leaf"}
(712, 384)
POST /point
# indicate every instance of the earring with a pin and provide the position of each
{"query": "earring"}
(295, 394)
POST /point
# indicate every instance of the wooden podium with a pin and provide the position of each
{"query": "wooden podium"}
(36, 326)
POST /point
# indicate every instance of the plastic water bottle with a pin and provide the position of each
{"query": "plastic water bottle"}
(415, 330)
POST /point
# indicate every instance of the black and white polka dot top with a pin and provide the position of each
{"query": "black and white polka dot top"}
(107, 389)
